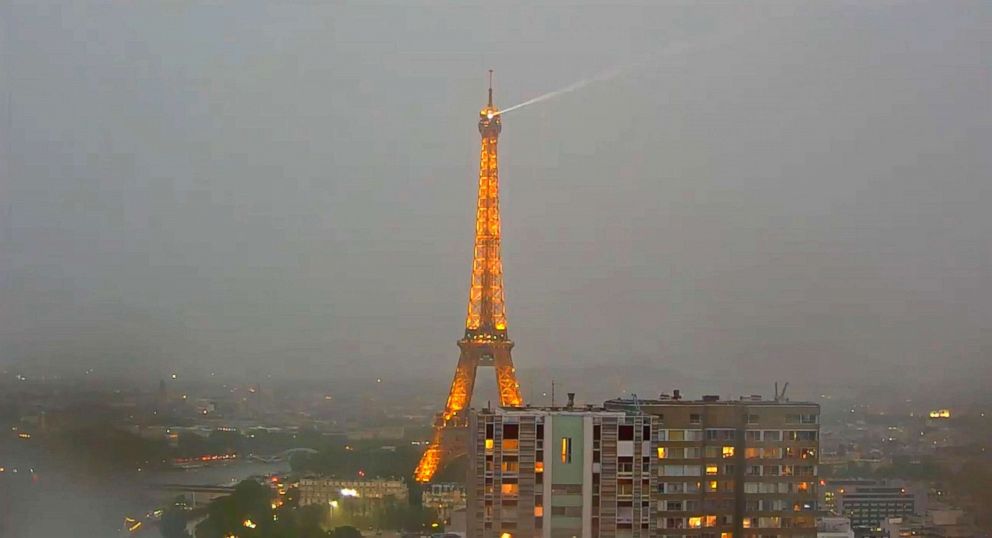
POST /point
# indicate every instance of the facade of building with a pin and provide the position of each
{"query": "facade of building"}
(362, 494)
(560, 473)
(869, 502)
(942, 523)
(834, 527)
(668, 468)
(445, 498)
(737, 468)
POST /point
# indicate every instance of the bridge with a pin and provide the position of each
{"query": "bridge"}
(281, 456)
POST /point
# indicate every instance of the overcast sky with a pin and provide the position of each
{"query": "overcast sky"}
(792, 189)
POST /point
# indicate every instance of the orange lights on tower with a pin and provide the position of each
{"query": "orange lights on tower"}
(485, 342)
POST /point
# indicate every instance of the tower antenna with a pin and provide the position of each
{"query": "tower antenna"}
(490, 88)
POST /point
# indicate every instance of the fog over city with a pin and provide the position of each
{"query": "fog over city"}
(799, 191)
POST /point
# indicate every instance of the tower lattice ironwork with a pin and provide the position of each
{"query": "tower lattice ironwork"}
(485, 342)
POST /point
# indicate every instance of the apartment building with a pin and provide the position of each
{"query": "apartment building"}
(561, 473)
(668, 468)
(733, 468)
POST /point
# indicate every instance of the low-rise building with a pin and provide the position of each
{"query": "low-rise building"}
(445, 498)
(834, 527)
(942, 523)
(869, 502)
(363, 494)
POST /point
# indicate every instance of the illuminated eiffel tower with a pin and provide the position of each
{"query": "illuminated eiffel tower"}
(485, 342)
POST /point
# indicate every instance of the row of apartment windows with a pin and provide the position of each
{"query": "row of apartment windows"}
(727, 505)
(695, 522)
(693, 487)
(694, 505)
(625, 433)
(778, 487)
(728, 486)
(695, 452)
(776, 522)
(730, 535)
(697, 418)
(726, 434)
(751, 470)
(780, 470)
(706, 535)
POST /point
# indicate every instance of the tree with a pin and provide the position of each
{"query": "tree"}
(310, 519)
(246, 512)
(173, 524)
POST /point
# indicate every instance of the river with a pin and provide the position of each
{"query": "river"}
(224, 474)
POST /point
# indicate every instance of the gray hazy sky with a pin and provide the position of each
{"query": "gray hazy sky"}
(803, 191)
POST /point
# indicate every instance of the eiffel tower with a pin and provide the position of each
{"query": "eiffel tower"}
(485, 342)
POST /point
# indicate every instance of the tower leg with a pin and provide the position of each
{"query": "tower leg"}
(450, 428)
(460, 395)
(506, 378)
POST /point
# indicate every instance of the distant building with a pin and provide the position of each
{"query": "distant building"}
(869, 502)
(445, 498)
(944, 523)
(560, 472)
(834, 527)
(363, 494)
(734, 468)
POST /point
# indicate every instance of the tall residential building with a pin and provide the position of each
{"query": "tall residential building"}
(733, 469)
(560, 473)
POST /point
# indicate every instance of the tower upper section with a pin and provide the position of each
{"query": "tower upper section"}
(486, 318)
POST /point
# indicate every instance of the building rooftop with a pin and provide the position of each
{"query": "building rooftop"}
(574, 410)
(665, 399)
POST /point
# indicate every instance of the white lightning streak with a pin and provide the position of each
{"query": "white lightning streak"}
(671, 50)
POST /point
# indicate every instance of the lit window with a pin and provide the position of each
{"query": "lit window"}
(712, 485)
(566, 450)
(695, 522)
(509, 489)
(511, 444)
(726, 535)
(728, 451)
(747, 523)
(710, 521)
(539, 467)
(662, 452)
(712, 469)
(538, 511)
(489, 444)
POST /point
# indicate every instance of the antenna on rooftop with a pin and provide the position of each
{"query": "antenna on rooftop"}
(780, 396)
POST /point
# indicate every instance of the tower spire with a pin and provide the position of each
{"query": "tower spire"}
(490, 88)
